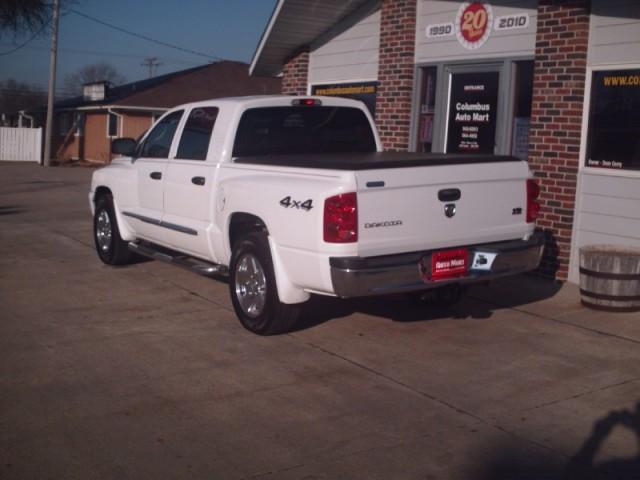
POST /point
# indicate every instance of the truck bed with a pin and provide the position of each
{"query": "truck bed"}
(372, 161)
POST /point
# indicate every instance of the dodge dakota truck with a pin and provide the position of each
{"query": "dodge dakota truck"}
(293, 196)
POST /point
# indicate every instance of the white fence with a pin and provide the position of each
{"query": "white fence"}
(21, 144)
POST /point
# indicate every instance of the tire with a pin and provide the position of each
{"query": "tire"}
(110, 247)
(254, 294)
(438, 297)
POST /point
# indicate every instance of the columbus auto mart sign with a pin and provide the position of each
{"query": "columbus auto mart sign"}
(474, 23)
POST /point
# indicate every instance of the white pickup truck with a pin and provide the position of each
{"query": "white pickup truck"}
(292, 196)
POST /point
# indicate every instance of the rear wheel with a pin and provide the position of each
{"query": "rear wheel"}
(253, 289)
(111, 249)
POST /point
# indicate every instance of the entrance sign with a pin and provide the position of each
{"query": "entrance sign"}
(473, 108)
(473, 24)
(614, 122)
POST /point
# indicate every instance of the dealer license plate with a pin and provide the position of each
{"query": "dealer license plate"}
(449, 263)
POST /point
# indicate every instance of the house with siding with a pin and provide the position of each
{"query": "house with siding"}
(558, 82)
(85, 126)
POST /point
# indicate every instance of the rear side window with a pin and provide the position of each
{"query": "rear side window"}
(158, 142)
(196, 135)
(295, 130)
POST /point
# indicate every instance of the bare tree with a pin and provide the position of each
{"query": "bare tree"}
(16, 96)
(19, 16)
(97, 72)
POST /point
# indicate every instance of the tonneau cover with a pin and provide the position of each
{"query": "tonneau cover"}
(372, 161)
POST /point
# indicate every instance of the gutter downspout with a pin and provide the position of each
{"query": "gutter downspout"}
(21, 115)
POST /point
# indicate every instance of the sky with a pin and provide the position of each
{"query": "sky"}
(228, 29)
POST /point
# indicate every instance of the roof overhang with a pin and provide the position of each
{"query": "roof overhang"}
(298, 24)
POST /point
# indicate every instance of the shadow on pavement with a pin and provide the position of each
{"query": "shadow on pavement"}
(10, 210)
(478, 303)
(583, 466)
(517, 291)
(508, 464)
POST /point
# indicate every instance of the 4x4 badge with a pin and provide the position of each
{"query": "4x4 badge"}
(450, 209)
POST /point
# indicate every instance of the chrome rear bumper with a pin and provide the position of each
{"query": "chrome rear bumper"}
(357, 276)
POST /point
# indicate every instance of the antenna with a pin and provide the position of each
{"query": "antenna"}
(152, 63)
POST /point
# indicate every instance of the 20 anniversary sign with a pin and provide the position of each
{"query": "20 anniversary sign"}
(474, 23)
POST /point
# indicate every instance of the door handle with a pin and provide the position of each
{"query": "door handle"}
(156, 175)
(198, 180)
(449, 195)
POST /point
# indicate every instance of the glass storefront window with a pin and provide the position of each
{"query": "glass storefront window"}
(522, 109)
(613, 138)
(427, 109)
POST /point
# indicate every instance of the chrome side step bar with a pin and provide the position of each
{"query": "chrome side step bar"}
(157, 252)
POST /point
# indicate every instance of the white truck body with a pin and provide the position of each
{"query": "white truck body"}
(189, 206)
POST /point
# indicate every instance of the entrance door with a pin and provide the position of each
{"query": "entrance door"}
(474, 107)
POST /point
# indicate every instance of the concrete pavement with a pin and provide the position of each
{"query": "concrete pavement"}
(144, 372)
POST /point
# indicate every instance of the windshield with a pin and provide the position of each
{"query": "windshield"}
(303, 129)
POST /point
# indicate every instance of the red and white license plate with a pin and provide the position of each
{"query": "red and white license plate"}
(449, 263)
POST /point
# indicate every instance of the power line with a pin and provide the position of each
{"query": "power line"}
(15, 91)
(28, 41)
(108, 54)
(144, 37)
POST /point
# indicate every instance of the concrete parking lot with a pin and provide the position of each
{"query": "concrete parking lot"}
(143, 372)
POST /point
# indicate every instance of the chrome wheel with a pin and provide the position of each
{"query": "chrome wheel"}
(103, 231)
(250, 285)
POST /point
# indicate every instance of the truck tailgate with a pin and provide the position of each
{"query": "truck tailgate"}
(416, 208)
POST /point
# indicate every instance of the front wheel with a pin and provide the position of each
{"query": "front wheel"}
(111, 248)
(253, 289)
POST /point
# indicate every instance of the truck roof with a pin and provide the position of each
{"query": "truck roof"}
(274, 100)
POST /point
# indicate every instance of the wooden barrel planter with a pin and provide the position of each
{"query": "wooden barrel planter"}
(610, 278)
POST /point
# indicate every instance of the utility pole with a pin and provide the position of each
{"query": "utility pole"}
(152, 63)
(52, 84)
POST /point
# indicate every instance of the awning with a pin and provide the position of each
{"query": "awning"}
(296, 24)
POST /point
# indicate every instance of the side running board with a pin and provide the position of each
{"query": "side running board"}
(157, 252)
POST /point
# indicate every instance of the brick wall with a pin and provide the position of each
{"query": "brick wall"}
(556, 122)
(395, 73)
(295, 74)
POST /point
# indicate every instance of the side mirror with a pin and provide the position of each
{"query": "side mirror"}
(124, 146)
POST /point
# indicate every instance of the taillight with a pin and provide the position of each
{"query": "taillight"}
(341, 218)
(533, 207)
(306, 102)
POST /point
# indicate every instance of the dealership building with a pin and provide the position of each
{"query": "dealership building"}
(551, 81)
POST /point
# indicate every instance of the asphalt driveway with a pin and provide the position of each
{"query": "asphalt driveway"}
(143, 372)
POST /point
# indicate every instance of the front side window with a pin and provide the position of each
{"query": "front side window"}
(303, 130)
(158, 143)
(613, 139)
(194, 142)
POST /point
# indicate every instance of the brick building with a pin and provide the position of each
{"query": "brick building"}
(85, 126)
(555, 82)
